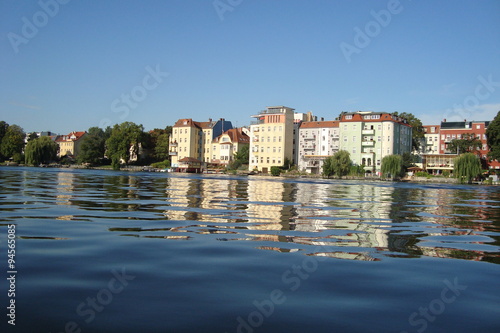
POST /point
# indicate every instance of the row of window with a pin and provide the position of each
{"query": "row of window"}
(269, 128)
(268, 149)
(268, 160)
(256, 139)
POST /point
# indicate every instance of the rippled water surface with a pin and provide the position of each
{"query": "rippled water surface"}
(103, 251)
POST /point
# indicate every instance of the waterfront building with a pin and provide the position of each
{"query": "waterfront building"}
(271, 138)
(370, 136)
(192, 139)
(227, 144)
(317, 140)
(69, 145)
(462, 129)
(430, 143)
(299, 118)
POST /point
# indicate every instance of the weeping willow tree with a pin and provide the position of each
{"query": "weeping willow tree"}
(467, 167)
(41, 150)
(338, 164)
(392, 166)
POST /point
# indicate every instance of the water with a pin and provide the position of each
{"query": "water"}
(103, 251)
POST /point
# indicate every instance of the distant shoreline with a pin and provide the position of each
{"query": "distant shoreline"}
(439, 180)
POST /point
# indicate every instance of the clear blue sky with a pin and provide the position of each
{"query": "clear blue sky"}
(73, 71)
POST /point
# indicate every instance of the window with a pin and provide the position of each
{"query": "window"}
(478, 126)
(354, 138)
(348, 116)
(279, 139)
(345, 138)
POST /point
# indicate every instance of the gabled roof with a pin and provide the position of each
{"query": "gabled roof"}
(73, 136)
(236, 135)
(319, 124)
(189, 160)
(186, 122)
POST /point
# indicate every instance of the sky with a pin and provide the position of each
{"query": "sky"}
(68, 65)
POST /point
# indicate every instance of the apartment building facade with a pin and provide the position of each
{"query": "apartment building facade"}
(69, 145)
(192, 139)
(227, 144)
(317, 140)
(370, 136)
(271, 138)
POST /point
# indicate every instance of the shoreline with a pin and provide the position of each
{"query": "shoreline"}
(413, 179)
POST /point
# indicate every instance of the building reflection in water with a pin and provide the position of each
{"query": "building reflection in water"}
(340, 219)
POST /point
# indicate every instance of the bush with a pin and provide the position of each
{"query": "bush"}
(422, 174)
(446, 173)
(275, 170)
(161, 165)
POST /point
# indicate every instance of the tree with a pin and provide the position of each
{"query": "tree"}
(417, 129)
(124, 140)
(493, 138)
(161, 147)
(466, 167)
(41, 150)
(392, 166)
(467, 144)
(93, 146)
(12, 142)
(338, 164)
(158, 142)
(242, 155)
(408, 160)
(32, 136)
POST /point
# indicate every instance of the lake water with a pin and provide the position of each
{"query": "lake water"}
(104, 251)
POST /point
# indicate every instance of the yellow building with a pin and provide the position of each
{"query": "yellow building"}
(69, 145)
(185, 141)
(193, 139)
(271, 138)
(227, 144)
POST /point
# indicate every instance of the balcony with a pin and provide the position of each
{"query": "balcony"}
(309, 147)
(367, 143)
(173, 143)
(368, 132)
(172, 153)
(255, 140)
(310, 137)
(256, 129)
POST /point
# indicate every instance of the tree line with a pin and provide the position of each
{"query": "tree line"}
(113, 145)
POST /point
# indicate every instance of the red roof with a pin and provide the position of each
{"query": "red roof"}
(319, 124)
(73, 136)
(236, 135)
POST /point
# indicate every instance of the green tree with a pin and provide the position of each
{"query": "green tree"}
(41, 150)
(493, 138)
(3, 130)
(32, 136)
(418, 133)
(392, 166)
(157, 141)
(93, 146)
(466, 167)
(125, 139)
(161, 147)
(338, 164)
(275, 170)
(243, 154)
(12, 142)
(408, 160)
(467, 144)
